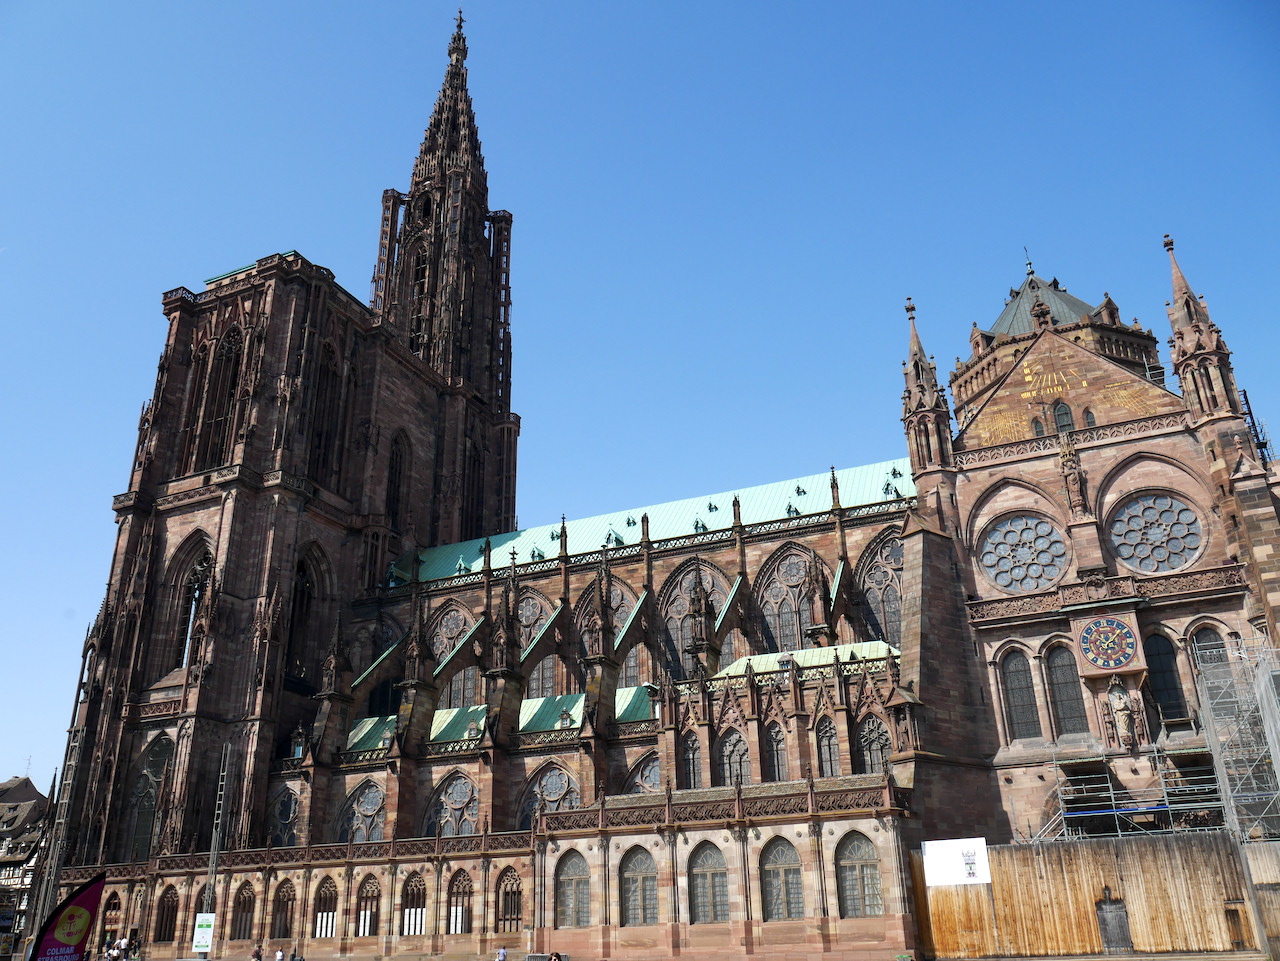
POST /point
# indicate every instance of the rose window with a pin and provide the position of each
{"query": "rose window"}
(1023, 553)
(1153, 533)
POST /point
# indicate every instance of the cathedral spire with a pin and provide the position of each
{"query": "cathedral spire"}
(922, 377)
(1185, 309)
(925, 413)
(452, 139)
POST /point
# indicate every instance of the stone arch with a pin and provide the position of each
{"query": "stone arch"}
(787, 597)
(674, 613)
(645, 776)
(878, 575)
(446, 629)
(1124, 478)
(622, 602)
(363, 814)
(1012, 495)
(555, 786)
(454, 808)
(189, 579)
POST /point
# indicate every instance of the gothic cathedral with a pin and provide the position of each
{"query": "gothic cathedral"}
(418, 730)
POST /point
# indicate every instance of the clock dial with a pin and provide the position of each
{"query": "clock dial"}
(1108, 643)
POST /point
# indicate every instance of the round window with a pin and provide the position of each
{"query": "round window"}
(1153, 533)
(1023, 553)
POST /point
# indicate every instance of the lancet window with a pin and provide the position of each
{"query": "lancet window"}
(367, 897)
(1065, 697)
(557, 791)
(510, 903)
(456, 810)
(824, 733)
(646, 778)
(1163, 681)
(365, 815)
(282, 911)
(326, 420)
(413, 905)
(882, 592)
(195, 587)
(283, 824)
(166, 916)
(1021, 715)
(785, 604)
(242, 913)
(680, 618)
(301, 628)
(733, 760)
(691, 760)
(873, 745)
(708, 885)
(775, 753)
(152, 773)
(326, 910)
(214, 446)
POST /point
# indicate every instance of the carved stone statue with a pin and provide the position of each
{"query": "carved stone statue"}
(1122, 711)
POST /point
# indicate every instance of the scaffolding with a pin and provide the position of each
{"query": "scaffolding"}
(1092, 802)
(1239, 684)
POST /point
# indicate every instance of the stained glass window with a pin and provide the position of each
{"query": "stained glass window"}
(542, 679)
(167, 916)
(646, 778)
(733, 761)
(142, 808)
(638, 888)
(462, 690)
(456, 810)
(1023, 553)
(460, 891)
(413, 905)
(283, 829)
(1163, 681)
(367, 897)
(219, 402)
(242, 913)
(775, 753)
(828, 748)
(858, 877)
(573, 892)
(365, 815)
(1065, 697)
(282, 911)
(395, 484)
(1062, 419)
(691, 760)
(784, 604)
(708, 885)
(873, 745)
(1021, 714)
(510, 910)
(326, 909)
(882, 590)
(780, 886)
(1153, 533)
(558, 791)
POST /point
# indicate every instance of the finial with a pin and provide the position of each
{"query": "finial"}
(1168, 242)
(910, 309)
(1030, 270)
(458, 45)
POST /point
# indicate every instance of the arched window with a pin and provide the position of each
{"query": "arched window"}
(1163, 682)
(573, 892)
(542, 679)
(631, 668)
(326, 909)
(194, 588)
(195, 394)
(733, 761)
(242, 913)
(828, 748)
(1021, 715)
(367, 897)
(152, 773)
(326, 421)
(1062, 419)
(456, 810)
(646, 778)
(708, 885)
(784, 603)
(198, 906)
(395, 484)
(557, 791)
(696, 594)
(282, 912)
(413, 906)
(882, 591)
(858, 877)
(509, 917)
(301, 628)
(219, 403)
(1065, 698)
(283, 826)
(691, 760)
(1089, 419)
(461, 691)
(166, 916)
(638, 888)
(364, 816)
(781, 891)
(775, 753)
(1037, 427)
(873, 745)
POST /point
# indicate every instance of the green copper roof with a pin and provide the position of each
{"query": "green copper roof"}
(450, 723)
(1016, 318)
(368, 731)
(811, 657)
(869, 484)
(543, 713)
(632, 704)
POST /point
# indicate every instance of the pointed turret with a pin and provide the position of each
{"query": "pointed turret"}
(925, 413)
(1200, 355)
(1185, 309)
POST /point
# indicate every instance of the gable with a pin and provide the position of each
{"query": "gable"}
(1054, 369)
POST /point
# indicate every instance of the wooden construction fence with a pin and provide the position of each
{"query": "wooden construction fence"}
(1181, 892)
(1264, 870)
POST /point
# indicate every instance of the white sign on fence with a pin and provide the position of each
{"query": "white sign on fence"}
(956, 861)
(202, 940)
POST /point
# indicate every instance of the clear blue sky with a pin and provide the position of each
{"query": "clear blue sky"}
(720, 208)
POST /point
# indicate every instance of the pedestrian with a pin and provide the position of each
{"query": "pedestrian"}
(256, 954)
(502, 953)
(280, 955)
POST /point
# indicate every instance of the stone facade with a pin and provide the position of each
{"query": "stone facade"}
(722, 732)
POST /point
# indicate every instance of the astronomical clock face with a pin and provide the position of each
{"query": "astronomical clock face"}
(1108, 644)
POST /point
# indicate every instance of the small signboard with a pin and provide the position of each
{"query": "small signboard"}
(202, 940)
(956, 861)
